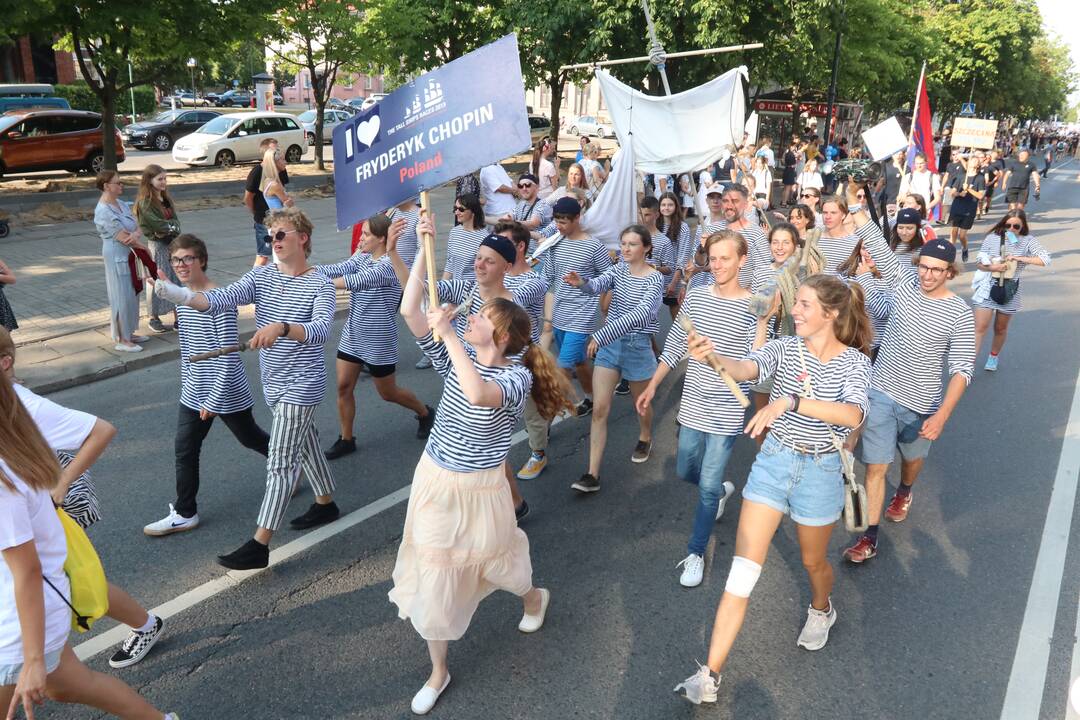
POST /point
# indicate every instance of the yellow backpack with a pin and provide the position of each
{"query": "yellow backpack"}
(89, 589)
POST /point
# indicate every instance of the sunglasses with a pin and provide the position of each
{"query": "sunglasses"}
(525, 185)
(808, 195)
(458, 208)
(1014, 226)
(280, 234)
(186, 260)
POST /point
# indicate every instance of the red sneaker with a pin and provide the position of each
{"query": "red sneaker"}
(898, 508)
(861, 551)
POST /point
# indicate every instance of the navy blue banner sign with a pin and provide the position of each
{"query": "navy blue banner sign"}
(451, 121)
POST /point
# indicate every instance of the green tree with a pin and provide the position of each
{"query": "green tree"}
(405, 37)
(322, 37)
(543, 30)
(155, 38)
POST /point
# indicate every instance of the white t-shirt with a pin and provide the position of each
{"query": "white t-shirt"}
(496, 204)
(548, 178)
(27, 515)
(63, 428)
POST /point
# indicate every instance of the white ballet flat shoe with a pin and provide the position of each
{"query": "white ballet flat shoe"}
(424, 700)
(532, 623)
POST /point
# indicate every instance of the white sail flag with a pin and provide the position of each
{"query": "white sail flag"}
(677, 133)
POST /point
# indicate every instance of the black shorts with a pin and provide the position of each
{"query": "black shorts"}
(1016, 195)
(377, 371)
(964, 222)
(671, 301)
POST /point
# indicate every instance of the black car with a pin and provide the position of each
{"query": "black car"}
(164, 129)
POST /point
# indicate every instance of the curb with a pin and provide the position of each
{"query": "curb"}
(28, 202)
(122, 366)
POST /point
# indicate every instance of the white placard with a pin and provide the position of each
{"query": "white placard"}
(884, 139)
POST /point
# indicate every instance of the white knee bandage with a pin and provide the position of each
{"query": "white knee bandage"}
(743, 576)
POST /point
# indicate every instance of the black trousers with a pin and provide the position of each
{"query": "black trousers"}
(191, 430)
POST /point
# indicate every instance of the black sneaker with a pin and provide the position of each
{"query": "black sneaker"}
(316, 515)
(252, 555)
(964, 255)
(425, 423)
(157, 326)
(623, 388)
(340, 447)
(136, 646)
(584, 408)
(586, 484)
(521, 511)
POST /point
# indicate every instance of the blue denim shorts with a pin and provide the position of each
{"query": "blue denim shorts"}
(808, 487)
(572, 347)
(889, 425)
(632, 355)
(9, 674)
(262, 240)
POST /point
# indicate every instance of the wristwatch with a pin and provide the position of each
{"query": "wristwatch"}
(284, 329)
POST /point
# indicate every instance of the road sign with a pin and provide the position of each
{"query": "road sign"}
(448, 122)
(236, 83)
(967, 109)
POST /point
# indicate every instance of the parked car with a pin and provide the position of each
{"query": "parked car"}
(331, 119)
(35, 140)
(278, 100)
(372, 100)
(357, 104)
(212, 97)
(190, 99)
(235, 98)
(539, 127)
(590, 125)
(164, 129)
(233, 138)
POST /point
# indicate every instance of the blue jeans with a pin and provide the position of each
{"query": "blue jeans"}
(262, 240)
(701, 460)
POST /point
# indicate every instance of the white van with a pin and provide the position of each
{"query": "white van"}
(235, 138)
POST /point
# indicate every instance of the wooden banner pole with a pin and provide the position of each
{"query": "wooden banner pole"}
(429, 257)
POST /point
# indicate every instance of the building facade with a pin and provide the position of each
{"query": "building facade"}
(346, 87)
(33, 60)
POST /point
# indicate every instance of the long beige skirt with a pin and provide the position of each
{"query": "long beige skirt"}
(461, 542)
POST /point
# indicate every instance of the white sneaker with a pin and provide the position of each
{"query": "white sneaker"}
(121, 347)
(815, 632)
(423, 363)
(729, 490)
(693, 570)
(700, 687)
(174, 522)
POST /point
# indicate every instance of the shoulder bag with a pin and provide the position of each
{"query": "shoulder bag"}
(855, 512)
(1003, 291)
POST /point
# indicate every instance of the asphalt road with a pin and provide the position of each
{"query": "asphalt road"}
(929, 629)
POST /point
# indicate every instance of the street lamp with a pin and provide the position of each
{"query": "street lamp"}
(191, 63)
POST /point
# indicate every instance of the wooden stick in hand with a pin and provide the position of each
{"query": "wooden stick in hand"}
(429, 257)
(714, 363)
(228, 349)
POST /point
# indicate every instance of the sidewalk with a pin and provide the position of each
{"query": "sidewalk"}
(60, 301)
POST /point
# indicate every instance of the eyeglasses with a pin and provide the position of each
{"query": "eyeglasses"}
(1014, 226)
(932, 271)
(185, 260)
(525, 185)
(458, 208)
(280, 234)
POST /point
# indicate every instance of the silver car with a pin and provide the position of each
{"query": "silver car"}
(591, 125)
(331, 119)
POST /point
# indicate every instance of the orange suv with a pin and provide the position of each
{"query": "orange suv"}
(32, 140)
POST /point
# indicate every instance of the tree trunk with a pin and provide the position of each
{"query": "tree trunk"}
(319, 85)
(108, 122)
(555, 85)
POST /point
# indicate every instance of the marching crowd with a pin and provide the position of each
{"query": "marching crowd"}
(831, 311)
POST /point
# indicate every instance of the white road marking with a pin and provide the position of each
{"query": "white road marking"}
(106, 640)
(1023, 697)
